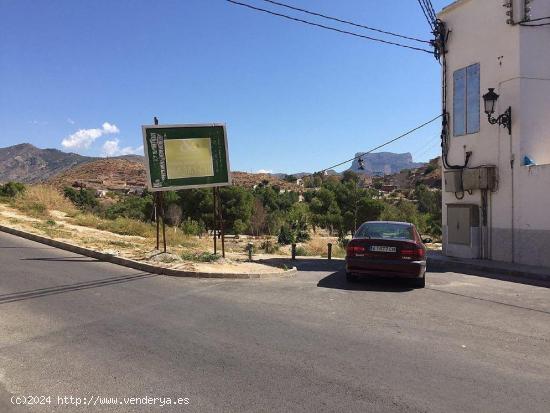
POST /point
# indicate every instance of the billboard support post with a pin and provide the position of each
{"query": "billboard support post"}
(183, 157)
(159, 210)
(220, 211)
(215, 216)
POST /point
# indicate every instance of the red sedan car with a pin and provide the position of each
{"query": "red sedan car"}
(387, 249)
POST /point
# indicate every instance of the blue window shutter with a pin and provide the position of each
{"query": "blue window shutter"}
(472, 98)
(459, 102)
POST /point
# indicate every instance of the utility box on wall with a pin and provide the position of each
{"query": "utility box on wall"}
(483, 177)
(461, 218)
(453, 180)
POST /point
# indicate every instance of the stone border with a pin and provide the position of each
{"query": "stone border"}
(140, 265)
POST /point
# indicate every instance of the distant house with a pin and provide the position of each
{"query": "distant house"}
(387, 188)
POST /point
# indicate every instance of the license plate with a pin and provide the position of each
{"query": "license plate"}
(382, 248)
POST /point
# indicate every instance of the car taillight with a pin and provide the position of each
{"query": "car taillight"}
(353, 250)
(412, 253)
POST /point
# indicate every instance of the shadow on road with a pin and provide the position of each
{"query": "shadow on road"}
(338, 281)
(305, 264)
(63, 259)
(479, 273)
(58, 289)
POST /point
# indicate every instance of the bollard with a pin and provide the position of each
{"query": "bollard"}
(249, 247)
(329, 251)
(293, 251)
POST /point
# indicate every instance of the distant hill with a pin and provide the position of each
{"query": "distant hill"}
(106, 173)
(29, 164)
(385, 163)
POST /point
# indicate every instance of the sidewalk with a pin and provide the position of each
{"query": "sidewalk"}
(438, 261)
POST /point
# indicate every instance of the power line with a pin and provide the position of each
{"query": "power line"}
(525, 24)
(423, 7)
(344, 21)
(377, 147)
(328, 27)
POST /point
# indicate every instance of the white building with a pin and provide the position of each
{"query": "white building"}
(488, 47)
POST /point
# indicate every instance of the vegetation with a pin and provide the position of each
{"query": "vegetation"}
(337, 206)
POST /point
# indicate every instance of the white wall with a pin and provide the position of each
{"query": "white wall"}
(516, 62)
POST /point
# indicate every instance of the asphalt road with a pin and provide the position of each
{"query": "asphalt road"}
(73, 326)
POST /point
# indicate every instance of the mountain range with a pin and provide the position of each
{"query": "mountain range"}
(28, 164)
(384, 163)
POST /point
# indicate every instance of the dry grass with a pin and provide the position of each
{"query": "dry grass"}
(38, 200)
(318, 246)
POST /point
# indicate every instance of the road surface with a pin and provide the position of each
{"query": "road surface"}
(73, 326)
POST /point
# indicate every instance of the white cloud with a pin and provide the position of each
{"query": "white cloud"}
(110, 128)
(264, 171)
(83, 138)
(69, 120)
(111, 148)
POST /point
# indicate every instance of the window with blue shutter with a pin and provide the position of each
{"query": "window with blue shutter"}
(466, 100)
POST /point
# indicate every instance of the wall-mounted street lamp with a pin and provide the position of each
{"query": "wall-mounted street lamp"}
(505, 120)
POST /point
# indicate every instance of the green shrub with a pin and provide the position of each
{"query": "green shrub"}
(84, 198)
(200, 256)
(301, 251)
(192, 227)
(286, 236)
(269, 246)
(134, 207)
(12, 189)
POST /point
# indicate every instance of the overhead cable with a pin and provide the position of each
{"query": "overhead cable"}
(377, 147)
(345, 21)
(328, 27)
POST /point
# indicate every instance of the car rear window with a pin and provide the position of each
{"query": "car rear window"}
(387, 230)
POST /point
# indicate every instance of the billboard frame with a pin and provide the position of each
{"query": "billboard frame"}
(150, 187)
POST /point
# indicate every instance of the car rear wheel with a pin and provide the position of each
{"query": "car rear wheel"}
(419, 282)
(351, 278)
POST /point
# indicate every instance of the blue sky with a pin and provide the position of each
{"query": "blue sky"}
(82, 76)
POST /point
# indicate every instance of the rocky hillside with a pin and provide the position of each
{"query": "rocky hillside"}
(29, 164)
(109, 173)
(428, 174)
(384, 163)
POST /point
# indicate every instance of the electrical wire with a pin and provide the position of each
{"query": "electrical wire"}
(524, 24)
(377, 147)
(345, 21)
(328, 27)
(536, 20)
(430, 21)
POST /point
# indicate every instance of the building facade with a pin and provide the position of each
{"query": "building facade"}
(496, 186)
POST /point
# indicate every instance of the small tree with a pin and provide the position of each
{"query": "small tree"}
(173, 215)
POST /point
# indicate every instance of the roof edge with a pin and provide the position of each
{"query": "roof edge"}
(455, 4)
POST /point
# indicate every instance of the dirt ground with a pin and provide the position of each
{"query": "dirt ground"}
(61, 227)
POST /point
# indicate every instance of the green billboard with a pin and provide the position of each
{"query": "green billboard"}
(186, 156)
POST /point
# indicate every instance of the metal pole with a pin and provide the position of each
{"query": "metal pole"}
(163, 221)
(293, 251)
(220, 210)
(156, 199)
(330, 250)
(215, 220)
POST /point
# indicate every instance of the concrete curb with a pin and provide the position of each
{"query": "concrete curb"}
(452, 265)
(141, 266)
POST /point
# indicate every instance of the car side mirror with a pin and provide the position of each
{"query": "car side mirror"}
(427, 240)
